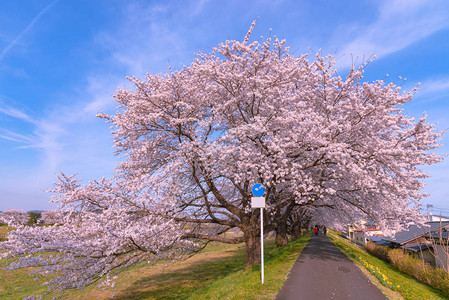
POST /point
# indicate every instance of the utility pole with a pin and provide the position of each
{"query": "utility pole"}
(428, 214)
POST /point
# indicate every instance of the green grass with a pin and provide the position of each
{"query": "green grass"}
(247, 285)
(405, 285)
(216, 273)
(17, 284)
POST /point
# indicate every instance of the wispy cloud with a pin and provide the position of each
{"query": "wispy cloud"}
(399, 24)
(13, 111)
(433, 86)
(100, 89)
(15, 137)
(27, 28)
(67, 138)
(154, 36)
(44, 134)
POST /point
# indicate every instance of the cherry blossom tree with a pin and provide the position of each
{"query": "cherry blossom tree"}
(14, 217)
(103, 229)
(195, 140)
(52, 217)
(252, 112)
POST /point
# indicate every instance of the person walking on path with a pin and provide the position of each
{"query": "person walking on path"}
(324, 230)
(323, 272)
(315, 229)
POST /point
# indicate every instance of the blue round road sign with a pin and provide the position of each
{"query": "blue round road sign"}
(258, 190)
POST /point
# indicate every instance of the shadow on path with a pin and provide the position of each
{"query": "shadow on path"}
(322, 271)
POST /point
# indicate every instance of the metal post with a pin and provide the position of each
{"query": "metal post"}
(428, 215)
(261, 241)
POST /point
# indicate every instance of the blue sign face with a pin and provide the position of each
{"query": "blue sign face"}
(258, 190)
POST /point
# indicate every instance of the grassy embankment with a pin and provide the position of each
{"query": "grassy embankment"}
(216, 273)
(392, 282)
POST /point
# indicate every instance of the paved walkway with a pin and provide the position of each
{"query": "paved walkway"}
(323, 272)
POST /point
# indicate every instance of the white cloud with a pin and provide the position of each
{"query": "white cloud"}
(399, 24)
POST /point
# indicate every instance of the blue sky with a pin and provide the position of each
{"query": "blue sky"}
(61, 61)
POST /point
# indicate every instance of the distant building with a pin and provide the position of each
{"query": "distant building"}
(361, 232)
(438, 218)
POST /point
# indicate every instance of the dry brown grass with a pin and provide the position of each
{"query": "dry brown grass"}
(171, 280)
(4, 230)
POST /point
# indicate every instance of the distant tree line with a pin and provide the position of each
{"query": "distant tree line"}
(14, 217)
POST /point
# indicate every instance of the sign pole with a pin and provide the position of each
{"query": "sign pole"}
(259, 201)
(261, 241)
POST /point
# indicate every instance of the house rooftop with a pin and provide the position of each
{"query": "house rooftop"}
(376, 238)
(437, 235)
(414, 231)
(417, 247)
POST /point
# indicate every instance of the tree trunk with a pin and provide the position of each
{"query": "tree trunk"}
(252, 242)
(281, 235)
(295, 232)
(251, 234)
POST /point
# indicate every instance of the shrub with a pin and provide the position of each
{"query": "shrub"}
(378, 251)
(438, 278)
(410, 265)
(434, 277)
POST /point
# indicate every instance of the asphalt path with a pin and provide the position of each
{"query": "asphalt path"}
(322, 272)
